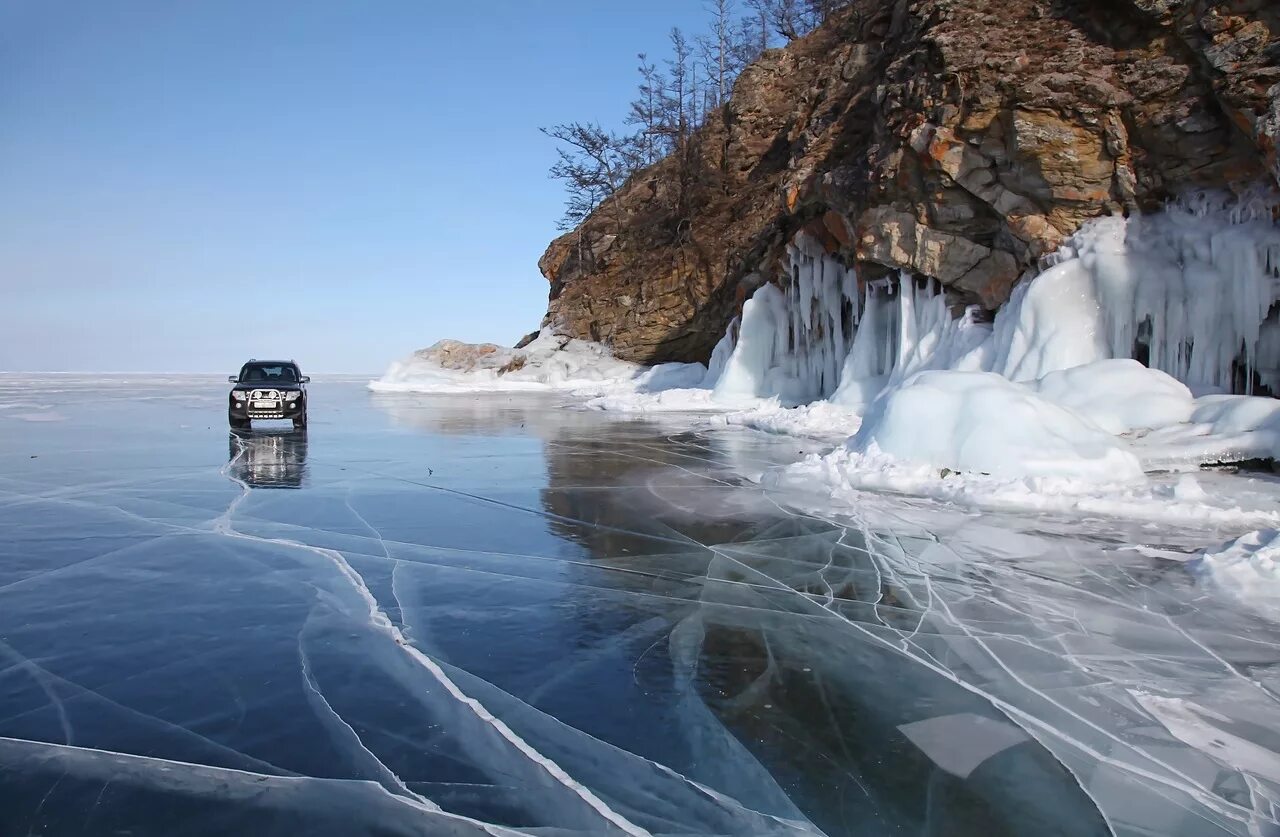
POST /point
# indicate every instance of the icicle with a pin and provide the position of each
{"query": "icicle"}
(1202, 274)
(1196, 285)
(811, 333)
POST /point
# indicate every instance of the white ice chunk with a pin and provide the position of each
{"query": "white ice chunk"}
(1247, 568)
(1119, 396)
(978, 421)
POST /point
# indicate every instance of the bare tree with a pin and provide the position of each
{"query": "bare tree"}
(786, 17)
(679, 92)
(680, 121)
(646, 112)
(671, 106)
(717, 49)
(595, 164)
(756, 24)
(791, 19)
(820, 11)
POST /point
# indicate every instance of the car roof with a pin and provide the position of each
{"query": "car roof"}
(272, 362)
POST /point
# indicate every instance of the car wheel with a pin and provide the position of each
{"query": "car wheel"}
(300, 422)
(238, 423)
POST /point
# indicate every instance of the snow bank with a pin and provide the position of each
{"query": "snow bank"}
(1247, 568)
(549, 362)
(819, 420)
(1119, 396)
(667, 401)
(1221, 428)
(981, 422)
(846, 475)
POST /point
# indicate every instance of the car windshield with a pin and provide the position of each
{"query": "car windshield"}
(265, 373)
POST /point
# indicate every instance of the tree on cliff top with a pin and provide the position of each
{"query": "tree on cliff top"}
(670, 109)
(790, 19)
(594, 165)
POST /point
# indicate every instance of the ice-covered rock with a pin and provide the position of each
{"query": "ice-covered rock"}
(549, 362)
(1000, 129)
(1190, 288)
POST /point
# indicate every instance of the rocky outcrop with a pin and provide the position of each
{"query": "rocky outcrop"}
(456, 356)
(956, 139)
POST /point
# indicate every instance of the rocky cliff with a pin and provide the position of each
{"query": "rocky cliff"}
(956, 139)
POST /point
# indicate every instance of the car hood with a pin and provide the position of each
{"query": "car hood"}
(277, 387)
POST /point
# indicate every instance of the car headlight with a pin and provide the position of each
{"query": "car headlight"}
(238, 395)
(292, 396)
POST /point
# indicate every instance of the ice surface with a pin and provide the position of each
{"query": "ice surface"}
(500, 614)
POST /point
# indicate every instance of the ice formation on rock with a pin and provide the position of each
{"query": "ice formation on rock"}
(793, 342)
(827, 335)
(1189, 288)
(1192, 291)
(1122, 324)
(1125, 325)
(549, 362)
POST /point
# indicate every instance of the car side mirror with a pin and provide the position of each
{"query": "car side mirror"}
(233, 379)
(306, 379)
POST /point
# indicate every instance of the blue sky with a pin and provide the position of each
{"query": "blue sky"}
(189, 184)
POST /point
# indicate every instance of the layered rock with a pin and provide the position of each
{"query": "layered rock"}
(956, 139)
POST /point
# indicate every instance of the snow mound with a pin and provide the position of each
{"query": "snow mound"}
(1119, 396)
(1221, 428)
(819, 420)
(1247, 568)
(549, 362)
(683, 400)
(846, 476)
(981, 422)
(1237, 413)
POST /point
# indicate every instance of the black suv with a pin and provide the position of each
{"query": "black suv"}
(268, 389)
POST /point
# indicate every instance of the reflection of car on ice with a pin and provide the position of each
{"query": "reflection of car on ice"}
(269, 459)
(268, 389)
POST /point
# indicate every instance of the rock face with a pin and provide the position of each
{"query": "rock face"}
(956, 139)
(455, 356)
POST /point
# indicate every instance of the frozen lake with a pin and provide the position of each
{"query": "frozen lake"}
(504, 615)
